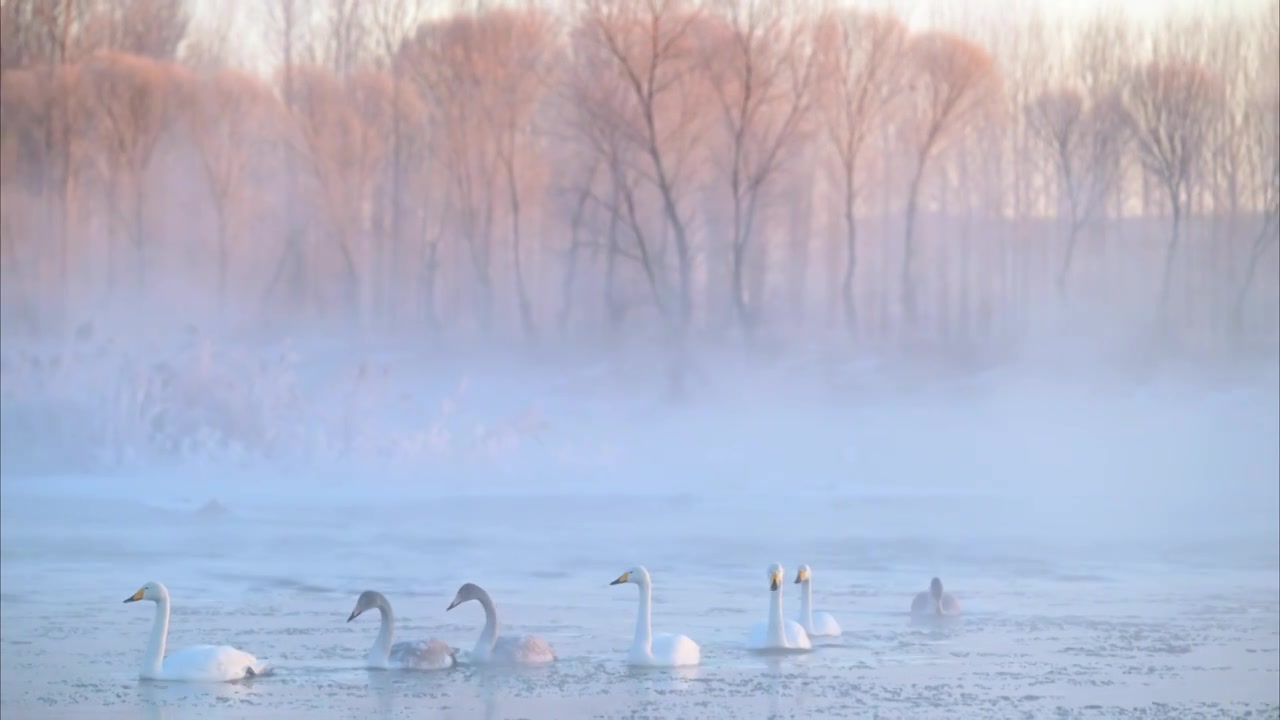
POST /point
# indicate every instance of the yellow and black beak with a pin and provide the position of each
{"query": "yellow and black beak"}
(799, 577)
(621, 578)
(776, 582)
(134, 597)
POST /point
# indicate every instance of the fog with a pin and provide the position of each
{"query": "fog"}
(455, 297)
(1113, 533)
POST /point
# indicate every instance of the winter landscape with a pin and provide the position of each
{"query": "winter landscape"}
(304, 299)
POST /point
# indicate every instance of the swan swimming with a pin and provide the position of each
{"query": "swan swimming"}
(816, 624)
(519, 650)
(663, 649)
(197, 663)
(935, 602)
(421, 655)
(778, 633)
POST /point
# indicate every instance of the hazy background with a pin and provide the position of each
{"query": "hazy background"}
(390, 232)
(910, 288)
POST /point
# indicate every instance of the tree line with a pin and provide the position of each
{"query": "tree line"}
(732, 170)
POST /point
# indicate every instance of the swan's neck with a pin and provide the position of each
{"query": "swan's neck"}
(777, 633)
(155, 646)
(806, 604)
(489, 635)
(381, 649)
(644, 622)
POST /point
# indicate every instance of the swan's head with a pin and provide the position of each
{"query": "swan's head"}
(638, 575)
(775, 576)
(469, 591)
(153, 591)
(935, 588)
(368, 600)
(804, 574)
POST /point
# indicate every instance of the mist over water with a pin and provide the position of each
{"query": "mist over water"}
(1113, 539)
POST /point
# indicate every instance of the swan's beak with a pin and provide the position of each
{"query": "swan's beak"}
(621, 578)
(134, 597)
(354, 614)
(776, 583)
(799, 578)
(456, 602)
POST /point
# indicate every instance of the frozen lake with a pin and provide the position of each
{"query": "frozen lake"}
(1115, 625)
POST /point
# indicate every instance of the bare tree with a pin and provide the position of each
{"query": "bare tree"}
(523, 45)
(149, 28)
(597, 106)
(132, 107)
(233, 117)
(347, 38)
(762, 68)
(1265, 146)
(1170, 106)
(953, 81)
(1086, 140)
(452, 66)
(392, 23)
(651, 52)
(864, 53)
(41, 32)
(287, 33)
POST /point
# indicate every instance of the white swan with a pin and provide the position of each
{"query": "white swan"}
(663, 649)
(198, 663)
(778, 633)
(520, 650)
(816, 624)
(935, 602)
(421, 655)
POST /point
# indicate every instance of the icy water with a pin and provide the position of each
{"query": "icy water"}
(1110, 627)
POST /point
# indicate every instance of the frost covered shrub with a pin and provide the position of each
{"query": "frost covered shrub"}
(91, 404)
(100, 403)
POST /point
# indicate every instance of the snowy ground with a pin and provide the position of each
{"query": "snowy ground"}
(1115, 546)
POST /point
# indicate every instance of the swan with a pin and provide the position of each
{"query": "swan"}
(422, 655)
(934, 601)
(816, 624)
(777, 633)
(198, 663)
(663, 649)
(520, 650)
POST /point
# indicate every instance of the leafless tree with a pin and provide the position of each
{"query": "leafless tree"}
(233, 118)
(652, 53)
(864, 53)
(392, 23)
(762, 69)
(1086, 140)
(1265, 145)
(952, 81)
(1170, 107)
(132, 106)
(347, 38)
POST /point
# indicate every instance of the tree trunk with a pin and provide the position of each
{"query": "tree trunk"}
(396, 252)
(223, 258)
(908, 250)
(1073, 233)
(1170, 253)
(613, 307)
(571, 269)
(139, 242)
(522, 294)
(851, 259)
(1265, 236)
